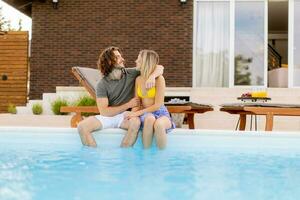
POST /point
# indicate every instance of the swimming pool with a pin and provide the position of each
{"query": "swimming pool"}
(41, 163)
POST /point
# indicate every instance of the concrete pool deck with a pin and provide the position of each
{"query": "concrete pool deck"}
(29, 120)
(35, 120)
(63, 121)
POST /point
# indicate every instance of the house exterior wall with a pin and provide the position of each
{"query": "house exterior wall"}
(76, 32)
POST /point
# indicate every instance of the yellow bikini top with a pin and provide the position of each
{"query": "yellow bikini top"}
(150, 93)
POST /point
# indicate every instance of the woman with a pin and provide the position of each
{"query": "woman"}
(154, 115)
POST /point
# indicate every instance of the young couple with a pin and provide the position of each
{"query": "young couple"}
(130, 98)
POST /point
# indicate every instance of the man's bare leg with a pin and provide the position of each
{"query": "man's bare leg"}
(85, 129)
(133, 126)
(148, 130)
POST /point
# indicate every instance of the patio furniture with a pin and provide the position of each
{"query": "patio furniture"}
(268, 109)
(89, 77)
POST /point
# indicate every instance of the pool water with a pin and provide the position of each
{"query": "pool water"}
(57, 166)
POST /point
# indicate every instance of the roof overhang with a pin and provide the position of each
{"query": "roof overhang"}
(23, 6)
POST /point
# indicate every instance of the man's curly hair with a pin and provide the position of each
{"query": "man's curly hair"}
(107, 60)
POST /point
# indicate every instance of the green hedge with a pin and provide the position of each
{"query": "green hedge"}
(37, 109)
(12, 108)
(86, 101)
(55, 106)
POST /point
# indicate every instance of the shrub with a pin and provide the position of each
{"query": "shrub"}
(12, 108)
(86, 101)
(55, 106)
(37, 109)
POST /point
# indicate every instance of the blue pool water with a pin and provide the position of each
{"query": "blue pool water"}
(201, 166)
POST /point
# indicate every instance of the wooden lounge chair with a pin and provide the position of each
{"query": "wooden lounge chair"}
(268, 109)
(89, 77)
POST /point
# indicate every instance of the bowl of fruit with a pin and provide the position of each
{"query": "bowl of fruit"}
(254, 96)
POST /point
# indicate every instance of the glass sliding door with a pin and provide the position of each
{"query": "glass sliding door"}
(230, 43)
(250, 43)
(211, 44)
(296, 49)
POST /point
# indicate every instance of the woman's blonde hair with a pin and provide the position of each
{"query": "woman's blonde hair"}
(148, 59)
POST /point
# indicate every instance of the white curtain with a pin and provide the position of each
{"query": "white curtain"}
(212, 44)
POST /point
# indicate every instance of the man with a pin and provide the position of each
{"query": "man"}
(115, 95)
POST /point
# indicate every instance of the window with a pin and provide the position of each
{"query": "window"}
(249, 43)
(211, 55)
(296, 49)
(230, 43)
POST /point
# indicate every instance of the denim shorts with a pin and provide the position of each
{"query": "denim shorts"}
(162, 111)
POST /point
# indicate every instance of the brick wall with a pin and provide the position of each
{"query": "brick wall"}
(78, 30)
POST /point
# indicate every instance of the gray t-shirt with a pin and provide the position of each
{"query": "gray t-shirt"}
(120, 91)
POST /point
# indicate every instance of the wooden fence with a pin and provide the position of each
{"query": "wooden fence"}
(13, 68)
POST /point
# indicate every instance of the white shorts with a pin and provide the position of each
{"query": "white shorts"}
(111, 122)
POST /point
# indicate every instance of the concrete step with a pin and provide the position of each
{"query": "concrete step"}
(32, 102)
(48, 98)
(71, 93)
(23, 110)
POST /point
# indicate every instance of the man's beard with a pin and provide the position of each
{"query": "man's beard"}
(116, 73)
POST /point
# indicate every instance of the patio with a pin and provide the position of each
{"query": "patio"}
(35, 120)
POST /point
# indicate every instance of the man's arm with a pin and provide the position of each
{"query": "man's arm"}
(159, 70)
(109, 111)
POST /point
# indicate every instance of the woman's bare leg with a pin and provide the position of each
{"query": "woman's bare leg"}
(148, 130)
(160, 126)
